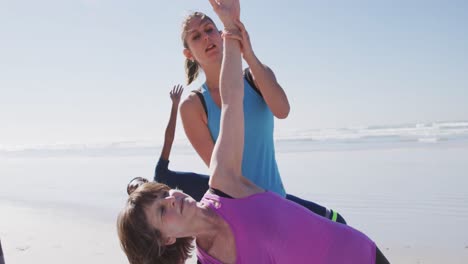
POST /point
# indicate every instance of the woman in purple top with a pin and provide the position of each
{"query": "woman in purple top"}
(235, 222)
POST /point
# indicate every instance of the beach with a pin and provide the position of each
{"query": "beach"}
(31, 235)
(410, 198)
(37, 235)
(369, 102)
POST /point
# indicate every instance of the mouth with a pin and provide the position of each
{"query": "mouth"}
(210, 47)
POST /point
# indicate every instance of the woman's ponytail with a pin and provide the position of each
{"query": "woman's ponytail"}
(191, 70)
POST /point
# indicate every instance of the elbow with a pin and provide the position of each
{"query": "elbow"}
(283, 113)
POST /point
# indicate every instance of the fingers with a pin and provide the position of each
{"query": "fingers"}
(240, 25)
(180, 89)
(171, 93)
(176, 91)
(242, 29)
(214, 3)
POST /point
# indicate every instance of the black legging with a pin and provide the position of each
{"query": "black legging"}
(380, 258)
(2, 260)
(196, 186)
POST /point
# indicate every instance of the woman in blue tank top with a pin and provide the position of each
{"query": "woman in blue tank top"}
(264, 99)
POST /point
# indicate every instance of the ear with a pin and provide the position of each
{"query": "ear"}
(188, 54)
(170, 241)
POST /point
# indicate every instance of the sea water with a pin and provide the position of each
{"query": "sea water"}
(404, 185)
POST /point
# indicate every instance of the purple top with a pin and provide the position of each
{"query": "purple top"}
(270, 229)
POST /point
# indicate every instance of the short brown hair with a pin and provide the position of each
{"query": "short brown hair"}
(142, 243)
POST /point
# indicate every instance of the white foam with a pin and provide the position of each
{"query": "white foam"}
(417, 132)
(428, 140)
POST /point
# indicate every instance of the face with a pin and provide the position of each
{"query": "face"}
(204, 41)
(171, 213)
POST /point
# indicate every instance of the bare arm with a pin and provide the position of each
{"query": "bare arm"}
(175, 94)
(263, 76)
(196, 127)
(226, 160)
(272, 92)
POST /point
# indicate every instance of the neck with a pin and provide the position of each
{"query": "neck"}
(212, 73)
(211, 227)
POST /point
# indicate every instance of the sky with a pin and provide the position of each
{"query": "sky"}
(90, 71)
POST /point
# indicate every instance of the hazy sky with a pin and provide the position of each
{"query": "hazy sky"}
(78, 71)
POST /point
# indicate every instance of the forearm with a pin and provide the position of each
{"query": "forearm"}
(170, 132)
(272, 92)
(229, 146)
(231, 82)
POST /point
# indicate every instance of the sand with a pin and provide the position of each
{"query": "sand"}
(45, 235)
(411, 201)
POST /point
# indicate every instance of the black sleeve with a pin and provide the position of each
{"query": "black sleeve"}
(219, 193)
(202, 99)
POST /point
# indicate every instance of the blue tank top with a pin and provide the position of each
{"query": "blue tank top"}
(258, 161)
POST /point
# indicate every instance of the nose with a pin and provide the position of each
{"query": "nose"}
(206, 36)
(170, 201)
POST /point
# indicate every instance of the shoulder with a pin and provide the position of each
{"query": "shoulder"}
(192, 108)
(192, 102)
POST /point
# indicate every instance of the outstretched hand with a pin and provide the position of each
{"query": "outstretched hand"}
(176, 93)
(227, 10)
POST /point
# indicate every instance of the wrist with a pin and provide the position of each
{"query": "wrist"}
(230, 25)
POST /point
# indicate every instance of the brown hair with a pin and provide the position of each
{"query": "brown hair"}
(142, 243)
(191, 66)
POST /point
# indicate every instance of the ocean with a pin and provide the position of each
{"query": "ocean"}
(402, 185)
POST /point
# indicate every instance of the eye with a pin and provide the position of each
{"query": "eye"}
(209, 30)
(196, 36)
(163, 210)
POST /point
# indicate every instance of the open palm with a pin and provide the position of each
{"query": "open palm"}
(227, 10)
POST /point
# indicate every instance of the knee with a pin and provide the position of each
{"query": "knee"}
(160, 175)
(340, 219)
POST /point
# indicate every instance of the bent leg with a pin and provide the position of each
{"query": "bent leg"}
(190, 183)
(318, 209)
(2, 260)
(379, 257)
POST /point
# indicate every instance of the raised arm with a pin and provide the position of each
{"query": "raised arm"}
(226, 160)
(175, 94)
(263, 76)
